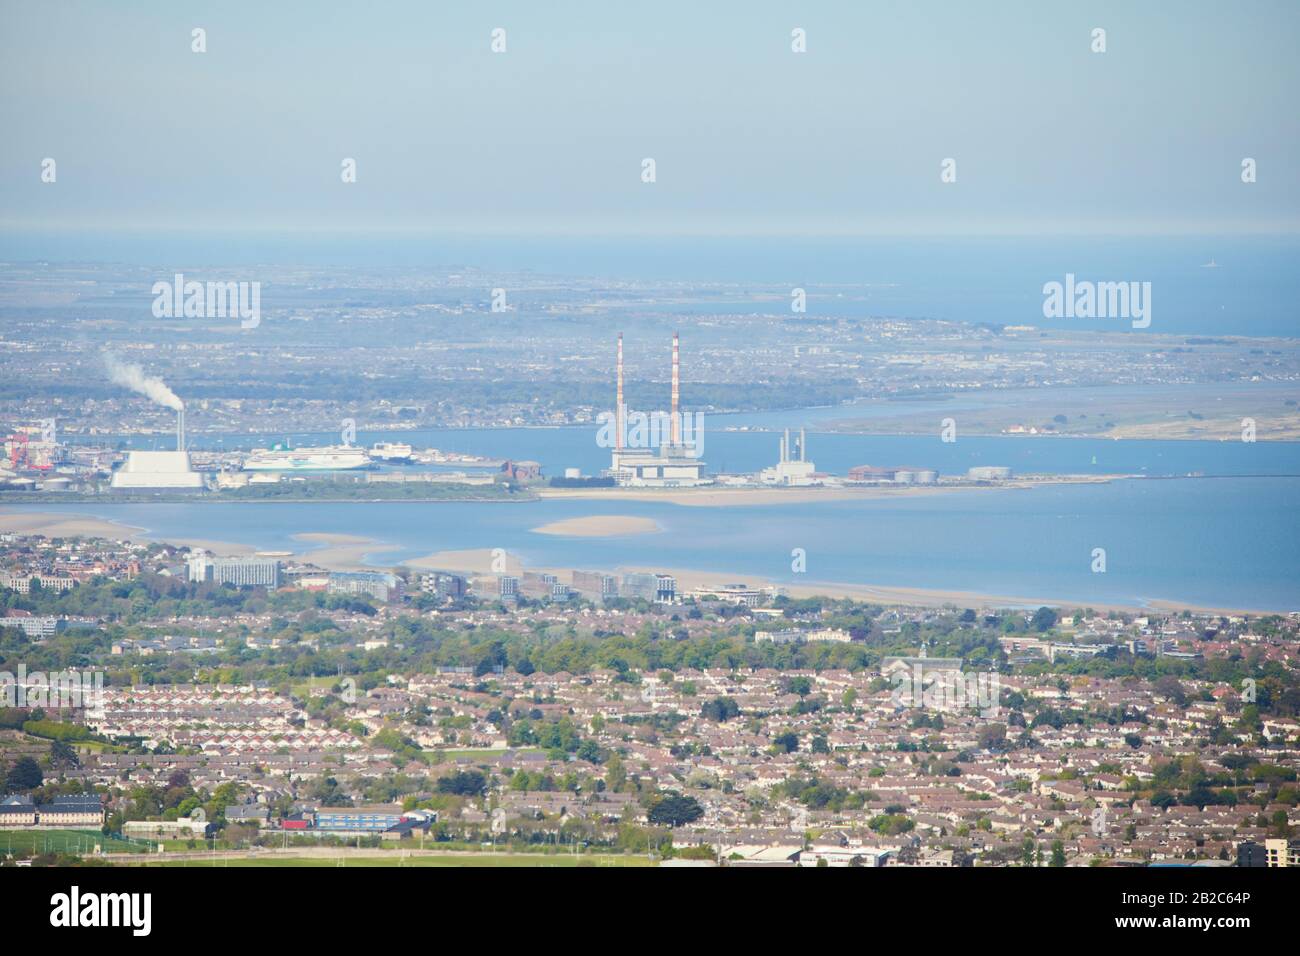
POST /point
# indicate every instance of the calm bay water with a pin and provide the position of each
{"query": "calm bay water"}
(1229, 542)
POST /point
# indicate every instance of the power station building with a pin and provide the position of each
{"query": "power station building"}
(634, 463)
(159, 470)
(791, 470)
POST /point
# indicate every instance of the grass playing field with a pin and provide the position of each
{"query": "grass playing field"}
(25, 843)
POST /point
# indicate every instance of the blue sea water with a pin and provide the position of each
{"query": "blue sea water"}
(1223, 542)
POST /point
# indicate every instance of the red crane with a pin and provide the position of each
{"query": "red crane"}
(17, 449)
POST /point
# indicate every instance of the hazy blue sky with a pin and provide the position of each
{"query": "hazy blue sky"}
(748, 136)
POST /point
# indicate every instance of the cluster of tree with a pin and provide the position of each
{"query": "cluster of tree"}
(463, 783)
(539, 780)
(1244, 779)
(327, 792)
(22, 775)
(553, 735)
(786, 742)
(816, 794)
(891, 823)
(56, 730)
(673, 809)
(720, 709)
(402, 746)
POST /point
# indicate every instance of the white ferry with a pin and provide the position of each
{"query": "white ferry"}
(330, 458)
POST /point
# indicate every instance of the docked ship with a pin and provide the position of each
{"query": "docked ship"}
(391, 451)
(329, 458)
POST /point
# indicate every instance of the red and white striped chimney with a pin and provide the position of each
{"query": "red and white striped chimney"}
(676, 425)
(618, 409)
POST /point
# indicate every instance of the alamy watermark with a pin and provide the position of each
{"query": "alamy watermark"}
(77, 909)
(1098, 300)
(651, 430)
(208, 300)
(947, 691)
(60, 690)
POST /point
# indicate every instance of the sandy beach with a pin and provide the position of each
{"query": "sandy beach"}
(338, 552)
(480, 561)
(470, 561)
(65, 526)
(688, 580)
(341, 552)
(599, 526)
(88, 526)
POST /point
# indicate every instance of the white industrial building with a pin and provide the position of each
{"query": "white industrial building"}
(157, 471)
(673, 467)
(791, 470)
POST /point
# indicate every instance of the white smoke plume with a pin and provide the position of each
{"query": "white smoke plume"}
(133, 377)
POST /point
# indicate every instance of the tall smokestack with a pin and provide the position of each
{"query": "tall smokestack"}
(785, 446)
(802, 455)
(618, 408)
(180, 428)
(676, 425)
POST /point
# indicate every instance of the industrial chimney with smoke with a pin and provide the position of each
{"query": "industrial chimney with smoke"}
(156, 471)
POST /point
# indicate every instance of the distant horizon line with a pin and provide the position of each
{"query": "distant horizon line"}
(312, 233)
